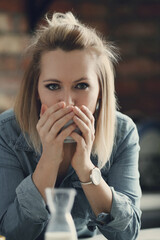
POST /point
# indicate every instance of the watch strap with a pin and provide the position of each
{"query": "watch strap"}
(90, 182)
(86, 183)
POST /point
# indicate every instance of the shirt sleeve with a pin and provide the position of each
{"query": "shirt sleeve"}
(123, 222)
(31, 201)
(21, 205)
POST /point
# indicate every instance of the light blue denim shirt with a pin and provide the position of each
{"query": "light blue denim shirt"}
(23, 212)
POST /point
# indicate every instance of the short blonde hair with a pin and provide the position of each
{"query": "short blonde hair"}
(64, 31)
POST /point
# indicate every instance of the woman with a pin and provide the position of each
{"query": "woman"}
(70, 79)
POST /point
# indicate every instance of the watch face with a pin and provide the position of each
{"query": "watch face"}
(96, 176)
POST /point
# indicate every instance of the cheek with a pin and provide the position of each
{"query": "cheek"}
(93, 101)
(45, 97)
(90, 102)
(93, 107)
(42, 95)
(40, 92)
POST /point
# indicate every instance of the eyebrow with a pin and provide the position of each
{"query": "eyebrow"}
(58, 81)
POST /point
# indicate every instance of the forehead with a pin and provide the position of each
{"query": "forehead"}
(74, 62)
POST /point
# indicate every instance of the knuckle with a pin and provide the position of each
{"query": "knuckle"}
(47, 113)
(51, 119)
(52, 131)
(92, 120)
(87, 131)
(48, 139)
(59, 140)
(41, 133)
(87, 122)
(81, 141)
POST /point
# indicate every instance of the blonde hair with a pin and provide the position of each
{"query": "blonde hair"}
(64, 31)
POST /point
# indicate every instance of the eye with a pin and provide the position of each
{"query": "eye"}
(82, 86)
(52, 86)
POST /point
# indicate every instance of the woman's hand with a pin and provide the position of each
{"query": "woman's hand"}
(51, 121)
(85, 122)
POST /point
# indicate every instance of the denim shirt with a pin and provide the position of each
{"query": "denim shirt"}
(23, 212)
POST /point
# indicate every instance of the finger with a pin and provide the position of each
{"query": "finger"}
(55, 129)
(58, 115)
(51, 128)
(49, 111)
(48, 114)
(86, 131)
(86, 116)
(82, 116)
(66, 132)
(45, 113)
(44, 107)
(80, 140)
(88, 113)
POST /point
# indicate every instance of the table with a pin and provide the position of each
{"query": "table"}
(150, 201)
(149, 234)
(145, 234)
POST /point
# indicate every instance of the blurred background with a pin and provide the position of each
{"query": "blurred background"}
(134, 26)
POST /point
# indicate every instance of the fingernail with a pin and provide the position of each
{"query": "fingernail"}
(83, 107)
(61, 104)
(43, 109)
(69, 106)
(76, 108)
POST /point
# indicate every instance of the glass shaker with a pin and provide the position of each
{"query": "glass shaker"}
(2, 237)
(61, 225)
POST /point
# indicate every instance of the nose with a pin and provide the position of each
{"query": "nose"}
(68, 98)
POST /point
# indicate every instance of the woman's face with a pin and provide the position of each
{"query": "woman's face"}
(70, 77)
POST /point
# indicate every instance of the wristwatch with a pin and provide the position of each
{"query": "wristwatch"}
(95, 177)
